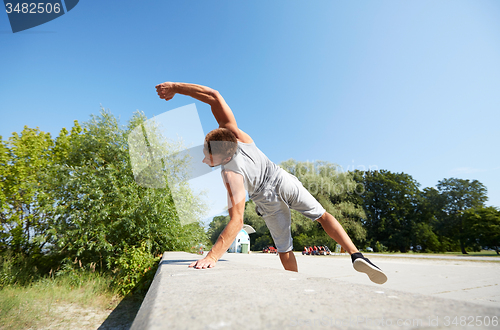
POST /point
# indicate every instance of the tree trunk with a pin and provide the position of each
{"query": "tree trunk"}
(462, 247)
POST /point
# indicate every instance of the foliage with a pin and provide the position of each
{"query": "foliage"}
(16, 269)
(336, 191)
(76, 198)
(135, 269)
(101, 211)
(216, 227)
(391, 203)
(4, 160)
(158, 162)
(23, 220)
(379, 247)
(381, 209)
(483, 225)
(425, 238)
(427, 234)
(400, 216)
(458, 195)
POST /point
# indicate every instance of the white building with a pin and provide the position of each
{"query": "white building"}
(241, 243)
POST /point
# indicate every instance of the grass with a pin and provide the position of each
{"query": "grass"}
(56, 301)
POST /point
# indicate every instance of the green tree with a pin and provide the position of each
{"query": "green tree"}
(4, 160)
(216, 227)
(24, 159)
(482, 225)
(391, 202)
(429, 235)
(336, 191)
(101, 211)
(458, 196)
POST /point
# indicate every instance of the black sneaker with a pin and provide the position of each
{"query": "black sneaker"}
(364, 265)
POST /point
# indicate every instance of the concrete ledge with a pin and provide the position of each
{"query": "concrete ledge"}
(238, 295)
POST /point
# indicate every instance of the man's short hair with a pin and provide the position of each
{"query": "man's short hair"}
(221, 141)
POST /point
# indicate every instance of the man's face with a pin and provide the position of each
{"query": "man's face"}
(212, 160)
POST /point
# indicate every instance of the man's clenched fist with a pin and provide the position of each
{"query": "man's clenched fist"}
(166, 90)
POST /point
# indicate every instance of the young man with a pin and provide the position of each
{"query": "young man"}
(274, 191)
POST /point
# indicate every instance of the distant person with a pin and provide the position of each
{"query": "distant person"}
(274, 191)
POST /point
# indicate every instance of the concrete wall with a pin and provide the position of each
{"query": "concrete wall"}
(237, 295)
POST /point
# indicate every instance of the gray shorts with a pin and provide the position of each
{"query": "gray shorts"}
(273, 204)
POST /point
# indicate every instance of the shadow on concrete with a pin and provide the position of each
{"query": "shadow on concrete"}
(122, 317)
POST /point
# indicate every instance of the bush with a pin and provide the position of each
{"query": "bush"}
(17, 269)
(379, 247)
(262, 242)
(135, 270)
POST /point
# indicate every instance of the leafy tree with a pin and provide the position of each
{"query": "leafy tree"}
(216, 227)
(24, 221)
(101, 211)
(483, 226)
(391, 202)
(429, 235)
(4, 160)
(458, 196)
(336, 191)
(425, 238)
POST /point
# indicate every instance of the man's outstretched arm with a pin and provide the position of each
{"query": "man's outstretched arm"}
(221, 111)
(236, 208)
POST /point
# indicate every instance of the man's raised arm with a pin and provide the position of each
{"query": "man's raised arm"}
(220, 109)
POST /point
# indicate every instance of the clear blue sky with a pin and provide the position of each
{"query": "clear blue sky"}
(407, 86)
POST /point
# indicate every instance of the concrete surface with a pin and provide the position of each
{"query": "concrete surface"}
(452, 277)
(424, 256)
(252, 292)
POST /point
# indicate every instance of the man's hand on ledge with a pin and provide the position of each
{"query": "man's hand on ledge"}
(204, 263)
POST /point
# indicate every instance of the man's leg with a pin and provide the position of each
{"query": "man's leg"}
(293, 193)
(277, 216)
(288, 260)
(335, 230)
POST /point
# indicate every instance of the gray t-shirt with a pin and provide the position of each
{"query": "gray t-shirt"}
(257, 170)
